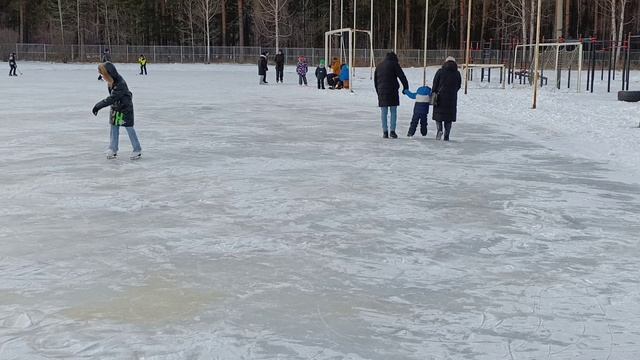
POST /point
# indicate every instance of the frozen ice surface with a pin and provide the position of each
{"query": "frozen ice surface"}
(273, 222)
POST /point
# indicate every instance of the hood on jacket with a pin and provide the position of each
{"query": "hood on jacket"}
(110, 69)
(450, 66)
(392, 57)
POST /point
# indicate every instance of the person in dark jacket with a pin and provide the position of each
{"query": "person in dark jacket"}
(106, 57)
(121, 101)
(446, 84)
(263, 67)
(386, 81)
(12, 65)
(279, 66)
(321, 74)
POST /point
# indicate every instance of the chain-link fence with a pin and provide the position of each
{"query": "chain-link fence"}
(241, 55)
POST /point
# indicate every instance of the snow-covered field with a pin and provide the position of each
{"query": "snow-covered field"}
(274, 222)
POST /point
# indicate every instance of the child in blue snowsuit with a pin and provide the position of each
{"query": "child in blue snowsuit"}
(420, 110)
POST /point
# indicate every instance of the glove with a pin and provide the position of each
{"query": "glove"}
(95, 110)
(404, 91)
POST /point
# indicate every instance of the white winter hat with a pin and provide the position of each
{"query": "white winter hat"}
(450, 58)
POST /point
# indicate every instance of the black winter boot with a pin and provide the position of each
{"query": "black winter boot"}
(394, 135)
(385, 135)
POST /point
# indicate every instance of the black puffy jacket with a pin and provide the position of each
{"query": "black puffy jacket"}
(120, 99)
(446, 83)
(386, 81)
(262, 65)
(280, 61)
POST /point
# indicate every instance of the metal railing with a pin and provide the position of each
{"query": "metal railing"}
(239, 55)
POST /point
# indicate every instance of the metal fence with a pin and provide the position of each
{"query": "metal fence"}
(239, 55)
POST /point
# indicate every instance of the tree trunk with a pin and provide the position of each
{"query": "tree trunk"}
(223, 10)
(22, 11)
(463, 23)
(485, 14)
(532, 21)
(407, 25)
(623, 5)
(613, 4)
(61, 22)
(567, 18)
(447, 43)
(241, 22)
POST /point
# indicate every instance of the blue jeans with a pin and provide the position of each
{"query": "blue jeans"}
(394, 117)
(115, 136)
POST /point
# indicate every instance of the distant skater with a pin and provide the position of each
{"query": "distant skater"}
(12, 65)
(263, 67)
(121, 101)
(105, 57)
(143, 64)
(302, 69)
(279, 66)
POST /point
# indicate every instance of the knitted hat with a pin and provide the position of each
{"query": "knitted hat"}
(450, 58)
(321, 62)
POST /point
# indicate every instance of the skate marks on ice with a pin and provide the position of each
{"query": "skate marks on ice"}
(257, 235)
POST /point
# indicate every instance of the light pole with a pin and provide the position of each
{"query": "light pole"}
(395, 33)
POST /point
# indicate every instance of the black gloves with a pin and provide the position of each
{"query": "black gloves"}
(95, 110)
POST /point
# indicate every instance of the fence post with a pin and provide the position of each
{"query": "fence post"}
(45, 51)
(154, 53)
(181, 53)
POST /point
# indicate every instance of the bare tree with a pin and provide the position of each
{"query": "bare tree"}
(268, 17)
(206, 10)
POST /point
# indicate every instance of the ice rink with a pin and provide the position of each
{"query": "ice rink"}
(274, 222)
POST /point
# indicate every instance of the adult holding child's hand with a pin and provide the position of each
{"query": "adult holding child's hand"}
(386, 81)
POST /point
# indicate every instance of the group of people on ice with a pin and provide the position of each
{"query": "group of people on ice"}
(443, 95)
(337, 77)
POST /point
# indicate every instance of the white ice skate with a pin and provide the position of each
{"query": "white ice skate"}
(135, 155)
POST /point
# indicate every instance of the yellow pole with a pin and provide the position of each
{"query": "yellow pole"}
(536, 74)
(468, 52)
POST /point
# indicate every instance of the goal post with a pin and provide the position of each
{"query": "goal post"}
(554, 56)
(351, 36)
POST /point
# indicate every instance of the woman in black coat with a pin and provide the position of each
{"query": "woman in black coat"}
(446, 83)
(263, 67)
(386, 81)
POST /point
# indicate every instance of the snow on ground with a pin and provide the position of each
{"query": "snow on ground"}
(275, 223)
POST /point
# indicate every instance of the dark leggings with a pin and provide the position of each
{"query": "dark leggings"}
(447, 128)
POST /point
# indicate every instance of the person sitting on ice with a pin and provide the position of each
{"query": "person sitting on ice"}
(332, 80)
(420, 110)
